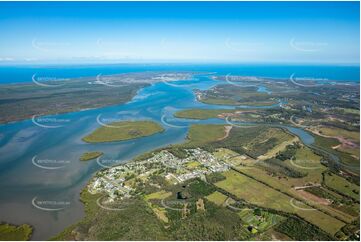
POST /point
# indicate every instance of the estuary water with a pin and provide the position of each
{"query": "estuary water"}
(40, 172)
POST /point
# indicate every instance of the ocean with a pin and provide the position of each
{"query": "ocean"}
(24, 73)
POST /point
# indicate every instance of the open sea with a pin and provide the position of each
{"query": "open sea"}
(24, 73)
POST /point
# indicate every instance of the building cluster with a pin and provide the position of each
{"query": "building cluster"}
(113, 181)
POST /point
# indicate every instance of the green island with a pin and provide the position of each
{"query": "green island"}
(15, 233)
(90, 155)
(123, 130)
(220, 184)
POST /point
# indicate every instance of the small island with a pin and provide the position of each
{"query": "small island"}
(90, 155)
(123, 130)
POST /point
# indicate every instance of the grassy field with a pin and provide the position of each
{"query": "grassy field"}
(201, 113)
(90, 155)
(342, 186)
(259, 194)
(278, 148)
(199, 134)
(217, 198)
(253, 141)
(349, 110)
(13, 232)
(192, 164)
(286, 185)
(306, 161)
(157, 195)
(340, 132)
(118, 131)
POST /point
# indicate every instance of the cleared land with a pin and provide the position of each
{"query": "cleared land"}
(217, 198)
(259, 194)
(118, 131)
(342, 186)
(205, 133)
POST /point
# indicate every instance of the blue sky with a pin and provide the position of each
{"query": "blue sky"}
(247, 32)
